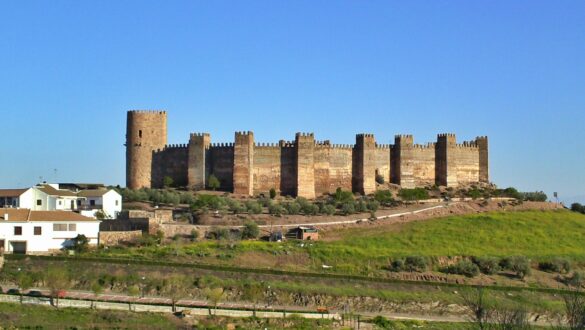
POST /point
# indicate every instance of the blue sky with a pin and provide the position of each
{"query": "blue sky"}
(512, 70)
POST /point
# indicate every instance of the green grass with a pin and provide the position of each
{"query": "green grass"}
(45, 317)
(534, 234)
(539, 235)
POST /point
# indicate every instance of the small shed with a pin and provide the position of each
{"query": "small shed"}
(305, 233)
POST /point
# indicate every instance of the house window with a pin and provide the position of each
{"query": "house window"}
(72, 227)
(117, 202)
(18, 231)
(38, 231)
(59, 227)
(92, 202)
(59, 203)
(39, 202)
(79, 202)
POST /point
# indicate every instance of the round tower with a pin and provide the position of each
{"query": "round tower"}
(146, 131)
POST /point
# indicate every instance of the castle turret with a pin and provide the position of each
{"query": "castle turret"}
(244, 163)
(482, 144)
(446, 165)
(305, 147)
(146, 131)
(365, 164)
(402, 167)
(197, 169)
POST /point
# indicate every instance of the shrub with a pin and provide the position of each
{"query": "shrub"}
(474, 193)
(213, 182)
(413, 194)
(253, 207)
(276, 209)
(361, 206)
(409, 264)
(208, 201)
(382, 322)
(343, 196)
(557, 265)
(347, 208)
(384, 197)
(328, 209)
(577, 207)
(194, 235)
(512, 193)
(462, 267)
(292, 208)
(218, 234)
(80, 243)
(250, 231)
(517, 264)
(379, 179)
(575, 280)
(168, 181)
(487, 265)
(272, 193)
(537, 196)
(373, 206)
(235, 206)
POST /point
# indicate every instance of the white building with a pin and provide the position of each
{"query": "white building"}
(50, 197)
(108, 201)
(27, 231)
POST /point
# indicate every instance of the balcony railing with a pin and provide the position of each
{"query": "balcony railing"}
(90, 207)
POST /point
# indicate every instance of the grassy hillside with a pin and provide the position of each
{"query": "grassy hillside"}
(538, 235)
(535, 234)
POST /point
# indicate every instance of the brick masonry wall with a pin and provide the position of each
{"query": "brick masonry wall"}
(172, 162)
(423, 165)
(112, 238)
(221, 163)
(267, 168)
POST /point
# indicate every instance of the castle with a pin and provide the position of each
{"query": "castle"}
(303, 167)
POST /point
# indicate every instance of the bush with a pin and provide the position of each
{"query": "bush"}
(360, 206)
(474, 193)
(382, 322)
(194, 235)
(343, 196)
(512, 193)
(373, 206)
(557, 265)
(213, 182)
(463, 267)
(253, 207)
(577, 207)
(347, 208)
(80, 243)
(272, 193)
(413, 194)
(575, 280)
(276, 209)
(487, 265)
(292, 208)
(328, 209)
(518, 264)
(384, 197)
(379, 179)
(168, 181)
(537, 196)
(235, 206)
(208, 201)
(409, 264)
(250, 231)
(218, 234)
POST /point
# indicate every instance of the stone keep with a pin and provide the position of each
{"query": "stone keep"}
(303, 167)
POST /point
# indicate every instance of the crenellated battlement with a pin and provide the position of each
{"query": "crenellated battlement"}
(199, 135)
(302, 166)
(152, 112)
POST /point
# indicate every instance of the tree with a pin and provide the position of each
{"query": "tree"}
(213, 182)
(101, 215)
(272, 193)
(168, 181)
(176, 289)
(194, 235)
(97, 289)
(575, 310)
(250, 231)
(475, 301)
(80, 243)
(254, 292)
(57, 280)
(133, 291)
(214, 296)
(25, 282)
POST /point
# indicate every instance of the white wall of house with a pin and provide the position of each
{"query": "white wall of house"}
(112, 202)
(49, 239)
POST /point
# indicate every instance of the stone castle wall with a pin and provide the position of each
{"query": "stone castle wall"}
(303, 167)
